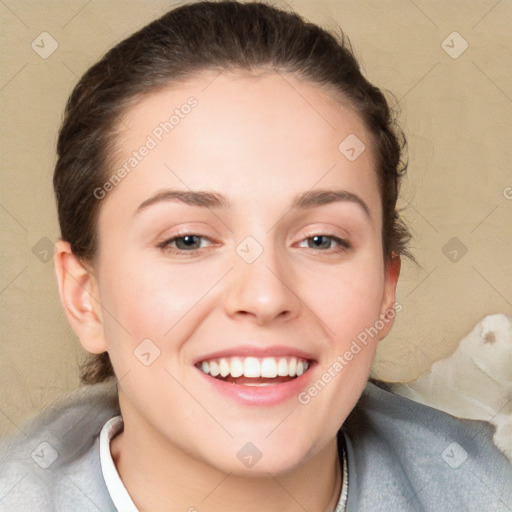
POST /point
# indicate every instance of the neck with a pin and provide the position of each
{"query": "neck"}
(159, 476)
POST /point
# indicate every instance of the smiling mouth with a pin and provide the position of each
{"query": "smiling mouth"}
(254, 371)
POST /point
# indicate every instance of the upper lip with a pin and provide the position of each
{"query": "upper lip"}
(256, 351)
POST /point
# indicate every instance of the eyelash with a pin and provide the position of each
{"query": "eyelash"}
(166, 247)
(342, 245)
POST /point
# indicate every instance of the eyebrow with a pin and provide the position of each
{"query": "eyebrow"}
(192, 198)
(314, 198)
(309, 199)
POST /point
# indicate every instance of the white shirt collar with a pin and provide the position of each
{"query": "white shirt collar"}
(117, 490)
(342, 503)
(115, 486)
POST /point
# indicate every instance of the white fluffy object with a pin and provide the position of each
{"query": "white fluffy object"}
(475, 381)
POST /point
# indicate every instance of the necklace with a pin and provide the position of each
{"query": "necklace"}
(342, 503)
(338, 502)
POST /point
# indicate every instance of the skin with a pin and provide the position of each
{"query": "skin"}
(259, 141)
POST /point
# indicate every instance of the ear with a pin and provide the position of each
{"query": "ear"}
(79, 297)
(388, 308)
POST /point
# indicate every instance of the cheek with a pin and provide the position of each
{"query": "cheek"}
(348, 303)
(349, 298)
(153, 301)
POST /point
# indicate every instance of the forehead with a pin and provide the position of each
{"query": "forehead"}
(237, 132)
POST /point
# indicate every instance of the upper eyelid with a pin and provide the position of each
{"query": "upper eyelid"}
(181, 232)
(305, 236)
(168, 240)
(331, 231)
(338, 239)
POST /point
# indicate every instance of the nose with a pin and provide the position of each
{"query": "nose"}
(262, 291)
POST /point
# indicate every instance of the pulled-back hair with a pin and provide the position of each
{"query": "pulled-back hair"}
(186, 41)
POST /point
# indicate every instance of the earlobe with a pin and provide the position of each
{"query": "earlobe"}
(78, 295)
(388, 311)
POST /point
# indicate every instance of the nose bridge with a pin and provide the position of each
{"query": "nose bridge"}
(260, 284)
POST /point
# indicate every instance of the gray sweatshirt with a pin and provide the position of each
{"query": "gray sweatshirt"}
(402, 456)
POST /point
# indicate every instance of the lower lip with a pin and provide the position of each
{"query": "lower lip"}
(271, 394)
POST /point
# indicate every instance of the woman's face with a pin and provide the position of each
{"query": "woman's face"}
(245, 237)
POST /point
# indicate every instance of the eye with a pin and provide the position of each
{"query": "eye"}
(324, 243)
(185, 243)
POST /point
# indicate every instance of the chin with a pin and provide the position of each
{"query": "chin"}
(258, 459)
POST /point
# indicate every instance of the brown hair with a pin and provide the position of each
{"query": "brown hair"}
(187, 40)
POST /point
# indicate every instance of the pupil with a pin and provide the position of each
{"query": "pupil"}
(188, 242)
(320, 241)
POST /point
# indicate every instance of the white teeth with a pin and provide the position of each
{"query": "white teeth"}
(282, 367)
(292, 366)
(237, 367)
(252, 367)
(214, 368)
(223, 367)
(269, 368)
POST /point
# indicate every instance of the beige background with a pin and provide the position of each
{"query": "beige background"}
(455, 111)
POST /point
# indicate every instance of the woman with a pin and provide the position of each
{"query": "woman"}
(226, 185)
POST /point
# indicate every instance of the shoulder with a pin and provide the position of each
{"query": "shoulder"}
(52, 462)
(407, 456)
